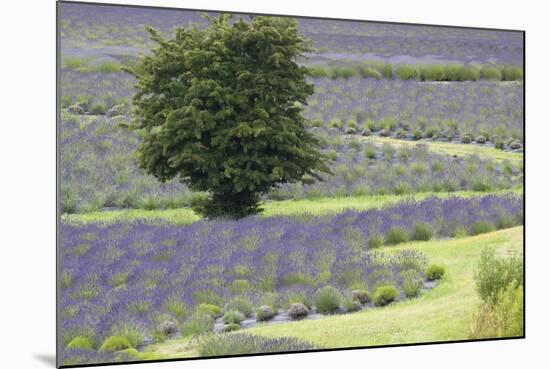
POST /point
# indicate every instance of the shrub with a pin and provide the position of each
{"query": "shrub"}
(406, 72)
(501, 318)
(176, 307)
(481, 226)
(494, 274)
(213, 310)
(240, 286)
(297, 297)
(81, 342)
(465, 139)
(511, 73)
(376, 241)
(318, 72)
(351, 305)
(412, 282)
(199, 323)
(233, 317)
(434, 272)
(130, 332)
(231, 327)
(499, 144)
(481, 139)
(467, 73)
(327, 300)
(395, 235)
(422, 232)
(492, 73)
(115, 343)
(384, 295)
(435, 72)
(271, 299)
(241, 304)
(98, 109)
(366, 72)
(361, 295)
(264, 312)
(167, 328)
(370, 152)
(239, 344)
(297, 311)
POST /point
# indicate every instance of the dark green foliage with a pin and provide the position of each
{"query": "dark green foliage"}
(328, 300)
(264, 312)
(434, 272)
(384, 295)
(376, 241)
(220, 108)
(480, 227)
(494, 274)
(361, 295)
(233, 317)
(198, 323)
(406, 72)
(422, 232)
(493, 73)
(395, 235)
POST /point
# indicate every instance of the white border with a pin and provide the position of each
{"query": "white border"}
(27, 154)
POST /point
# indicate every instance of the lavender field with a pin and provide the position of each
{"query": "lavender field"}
(396, 109)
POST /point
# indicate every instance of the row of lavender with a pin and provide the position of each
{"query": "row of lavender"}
(121, 29)
(98, 170)
(127, 278)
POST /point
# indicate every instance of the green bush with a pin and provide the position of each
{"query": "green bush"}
(265, 312)
(406, 72)
(395, 236)
(434, 272)
(361, 295)
(240, 286)
(384, 295)
(422, 232)
(98, 109)
(231, 327)
(115, 343)
(199, 323)
(511, 73)
(481, 226)
(376, 241)
(467, 73)
(241, 304)
(489, 72)
(318, 72)
(370, 152)
(452, 72)
(207, 297)
(233, 317)
(82, 343)
(327, 300)
(412, 282)
(494, 274)
(213, 310)
(435, 72)
(501, 318)
(351, 305)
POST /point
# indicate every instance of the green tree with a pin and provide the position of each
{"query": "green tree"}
(220, 108)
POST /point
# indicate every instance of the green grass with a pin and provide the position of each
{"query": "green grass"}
(449, 148)
(441, 314)
(320, 206)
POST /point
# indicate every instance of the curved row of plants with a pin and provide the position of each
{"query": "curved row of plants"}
(126, 284)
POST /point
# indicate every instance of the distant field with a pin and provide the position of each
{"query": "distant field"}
(441, 314)
(328, 205)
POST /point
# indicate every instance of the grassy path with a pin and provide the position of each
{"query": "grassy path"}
(321, 206)
(440, 314)
(449, 148)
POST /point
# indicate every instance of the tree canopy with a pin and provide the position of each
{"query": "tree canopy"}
(220, 108)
